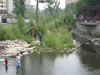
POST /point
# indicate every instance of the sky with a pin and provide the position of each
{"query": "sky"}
(43, 6)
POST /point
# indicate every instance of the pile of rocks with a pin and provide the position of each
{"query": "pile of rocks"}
(96, 41)
(92, 39)
(12, 47)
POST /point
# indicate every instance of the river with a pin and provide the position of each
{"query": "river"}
(80, 62)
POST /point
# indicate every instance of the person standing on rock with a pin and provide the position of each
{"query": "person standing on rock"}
(40, 36)
(18, 63)
(6, 64)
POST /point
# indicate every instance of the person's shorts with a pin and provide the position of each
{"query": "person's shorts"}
(6, 65)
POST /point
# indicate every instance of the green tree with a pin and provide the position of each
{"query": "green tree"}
(85, 3)
(19, 7)
(52, 7)
(91, 2)
(71, 8)
(21, 24)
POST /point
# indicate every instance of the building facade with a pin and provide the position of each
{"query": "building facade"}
(3, 4)
(3, 11)
(10, 5)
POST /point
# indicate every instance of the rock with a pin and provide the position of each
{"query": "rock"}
(39, 52)
(96, 43)
(89, 39)
(11, 51)
(92, 40)
(9, 46)
(73, 48)
(25, 53)
(84, 36)
(17, 45)
(20, 49)
(30, 49)
(25, 45)
(87, 43)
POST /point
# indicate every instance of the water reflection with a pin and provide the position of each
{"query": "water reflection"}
(77, 63)
(90, 60)
(11, 70)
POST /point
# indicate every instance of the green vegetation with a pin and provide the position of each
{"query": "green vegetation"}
(85, 3)
(54, 23)
(97, 34)
(55, 30)
(15, 31)
(58, 39)
(71, 8)
(19, 7)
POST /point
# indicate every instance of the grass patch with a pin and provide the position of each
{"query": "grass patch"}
(97, 34)
(60, 39)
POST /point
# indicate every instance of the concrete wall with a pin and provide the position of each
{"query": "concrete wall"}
(0, 19)
(3, 3)
(92, 29)
(10, 6)
(11, 20)
(97, 29)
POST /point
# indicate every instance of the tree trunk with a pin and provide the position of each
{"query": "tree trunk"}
(37, 7)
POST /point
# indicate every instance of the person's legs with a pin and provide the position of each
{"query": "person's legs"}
(17, 67)
(40, 42)
(6, 67)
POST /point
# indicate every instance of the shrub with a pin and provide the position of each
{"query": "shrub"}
(9, 34)
(97, 34)
(64, 38)
(50, 39)
(2, 32)
(59, 38)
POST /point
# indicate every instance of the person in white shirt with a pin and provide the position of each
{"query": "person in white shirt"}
(18, 63)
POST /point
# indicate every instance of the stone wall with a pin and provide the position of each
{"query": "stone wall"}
(89, 29)
(87, 42)
(0, 19)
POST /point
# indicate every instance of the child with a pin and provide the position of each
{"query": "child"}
(6, 63)
(18, 64)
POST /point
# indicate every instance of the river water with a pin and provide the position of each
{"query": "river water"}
(79, 62)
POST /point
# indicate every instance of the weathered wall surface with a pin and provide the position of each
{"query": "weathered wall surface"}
(91, 29)
(0, 19)
(88, 41)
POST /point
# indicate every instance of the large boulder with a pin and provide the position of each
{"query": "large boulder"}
(12, 47)
(10, 52)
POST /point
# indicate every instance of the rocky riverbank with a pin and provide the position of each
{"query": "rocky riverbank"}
(12, 47)
(88, 41)
(88, 37)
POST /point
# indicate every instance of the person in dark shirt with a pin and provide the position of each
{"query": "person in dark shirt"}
(40, 36)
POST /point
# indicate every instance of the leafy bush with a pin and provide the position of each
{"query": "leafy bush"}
(9, 34)
(6, 33)
(2, 32)
(50, 39)
(97, 34)
(59, 38)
